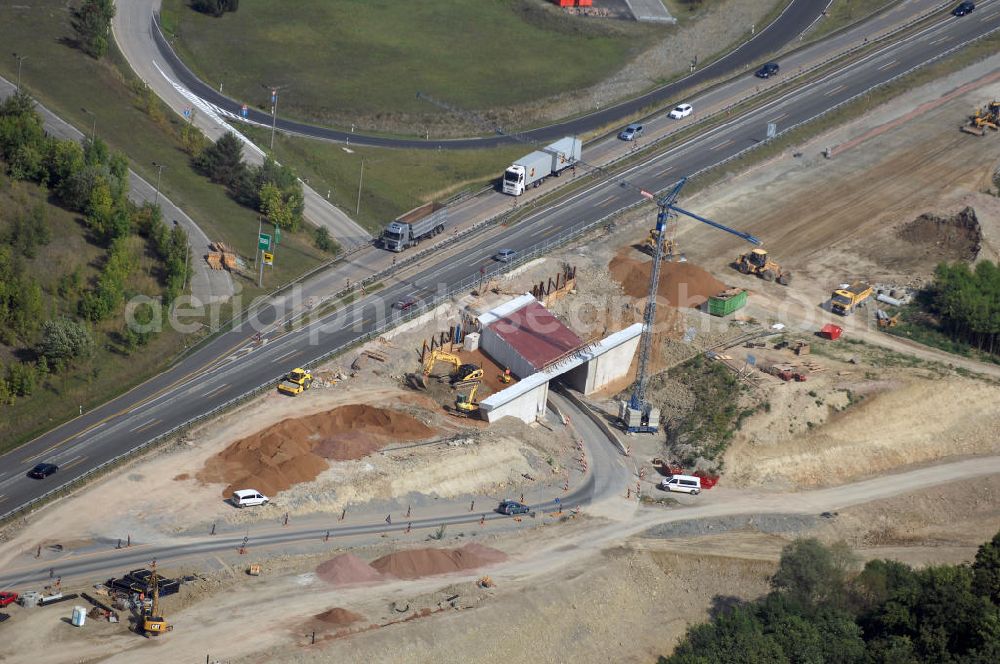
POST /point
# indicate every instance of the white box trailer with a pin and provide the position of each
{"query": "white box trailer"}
(531, 169)
(410, 228)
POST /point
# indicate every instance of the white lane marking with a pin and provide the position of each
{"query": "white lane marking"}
(835, 90)
(217, 390)
(891, 63)
(143, 427)
(291, 352)
(721, 145)
(604, 201)
(778, 117)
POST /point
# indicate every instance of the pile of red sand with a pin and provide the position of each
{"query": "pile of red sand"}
(296, 450)
(415, 563)
(338, 617)
(681, 284)
(347, 569)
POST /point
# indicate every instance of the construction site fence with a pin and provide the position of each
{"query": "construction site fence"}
(495, 272)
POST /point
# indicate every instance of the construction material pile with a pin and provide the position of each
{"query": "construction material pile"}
(338, 617)
(347, 569)
(298, 449)
(681, 284)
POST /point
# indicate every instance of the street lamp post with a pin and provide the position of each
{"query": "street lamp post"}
(274, 107)
(20, 59)
(361, 180)
(159, 172)
(93, 132)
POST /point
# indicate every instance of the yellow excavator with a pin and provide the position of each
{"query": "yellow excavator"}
(153, 622)
(460, 372)
(757, 261)
(466, 404)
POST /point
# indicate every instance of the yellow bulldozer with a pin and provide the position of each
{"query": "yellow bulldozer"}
(670, 250)
(757, 261)
(987, 117)
(460, 372)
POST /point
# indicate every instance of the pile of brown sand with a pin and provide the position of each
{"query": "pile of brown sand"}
(338, 617)
(347, 569)
(958, 237)
(681, 284)
(296, 450)
(415, 563)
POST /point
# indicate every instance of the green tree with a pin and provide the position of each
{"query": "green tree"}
(215, 7)
(223, 161)
(63, 341)
(811, 573)
(21, 379)
(324, 242)
(986, 571)
(92, 23)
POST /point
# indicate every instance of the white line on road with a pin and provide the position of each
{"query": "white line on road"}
(664, 171)
(835, 90)
(291, 352)
(721, 145)
(219, 388)
(605, 201)
(778, 117)
(891, 63)
(939, 40)
(73, 462)
(143, 427)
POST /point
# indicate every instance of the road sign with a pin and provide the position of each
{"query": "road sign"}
(244, 111)
(751, 360)
(187, 111)
(268, 259)
(772, 130)
(277, 236)
(264, 242)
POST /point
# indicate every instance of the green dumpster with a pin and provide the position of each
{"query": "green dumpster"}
(727, 302)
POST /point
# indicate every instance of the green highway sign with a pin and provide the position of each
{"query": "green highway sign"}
(264, 242)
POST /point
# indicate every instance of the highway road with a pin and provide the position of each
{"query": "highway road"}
(175, 396)
(797, 16)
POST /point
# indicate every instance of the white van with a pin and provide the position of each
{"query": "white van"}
(249, 498)
(682, 484)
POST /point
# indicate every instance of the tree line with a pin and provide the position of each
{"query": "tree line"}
(890, 612)
(90, 180)
(966, 302)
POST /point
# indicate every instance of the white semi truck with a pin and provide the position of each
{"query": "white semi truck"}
(410, 228)
(531, 169)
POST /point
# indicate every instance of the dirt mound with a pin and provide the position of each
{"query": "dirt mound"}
(681, 284)
(416, 563)
(347, 569)
(339, 617)
(296, 450)
(958, 237)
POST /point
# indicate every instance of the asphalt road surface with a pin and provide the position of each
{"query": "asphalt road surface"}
(174, 396)
(797, 16)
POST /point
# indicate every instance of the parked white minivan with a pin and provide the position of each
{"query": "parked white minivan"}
(249, 498)
(682, 484)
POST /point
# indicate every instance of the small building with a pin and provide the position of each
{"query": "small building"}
(537, 347)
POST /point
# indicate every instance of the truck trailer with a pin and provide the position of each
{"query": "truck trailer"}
(409, 229)
(531, 169)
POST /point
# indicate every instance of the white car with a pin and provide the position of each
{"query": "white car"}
(249, 498)
(682, 111)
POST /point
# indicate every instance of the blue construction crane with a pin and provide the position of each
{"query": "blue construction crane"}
(637, 415)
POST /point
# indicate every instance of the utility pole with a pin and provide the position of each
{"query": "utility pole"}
(258, 257)
(274, 114)
(20, 59)
(93, 132)
(360, 182)
(159, 172)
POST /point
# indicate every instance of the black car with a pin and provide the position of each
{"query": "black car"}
(768, 70)
(511, 507)
(43, 470)
(963, 9)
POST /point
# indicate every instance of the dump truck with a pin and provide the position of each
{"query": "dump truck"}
(419, 223)
(845, 300)
(296, 382)
(531, 169)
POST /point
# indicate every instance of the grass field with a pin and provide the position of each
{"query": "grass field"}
(360, 60)
(67, 82)
(60, 396)
(394, 180)
(845, 12)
